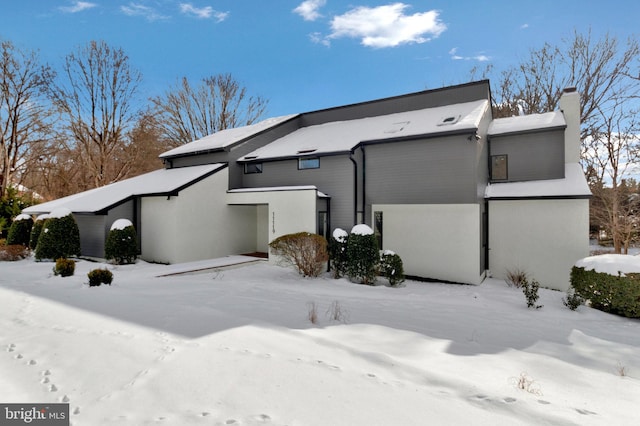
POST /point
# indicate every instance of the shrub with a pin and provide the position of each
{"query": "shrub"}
(338, 252)
(36, 230)
(362, 255)
(60, 236)
(100, 276)
(609, 293)
(122, 243)
(64, 267)
(516, 277)
(306, 251)
(572, 300)
(13, 253)
(530, 290)
(391, 267)
(20, 230)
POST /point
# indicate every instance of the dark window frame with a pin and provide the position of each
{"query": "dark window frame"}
(303, 160)
(252, 168)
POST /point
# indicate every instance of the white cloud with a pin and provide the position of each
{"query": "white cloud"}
(136, 9)
(387, 26)
(308, 9)
(78, 6)
(524, 26)
(203, 12)
(454, 55)
(319, 39)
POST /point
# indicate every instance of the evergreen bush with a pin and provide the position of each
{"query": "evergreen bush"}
(122, 243)
(338, 252)
(391, 267)
(100, 276)
(20, 230)
(36, 230)
(64, 267)
(618, 295)
(362, 255)
(530, 290)
(60, 236)
(306, 251)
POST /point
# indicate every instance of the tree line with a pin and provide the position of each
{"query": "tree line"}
(79, 127)
(83, 125)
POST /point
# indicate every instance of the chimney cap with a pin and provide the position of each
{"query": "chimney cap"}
(569, 89)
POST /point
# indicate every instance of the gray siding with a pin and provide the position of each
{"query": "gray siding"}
(531, 156)
(422, 171)
(414, 101)
(92, 235)
(335, 178)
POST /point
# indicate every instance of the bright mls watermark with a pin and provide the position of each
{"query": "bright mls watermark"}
(34, 414)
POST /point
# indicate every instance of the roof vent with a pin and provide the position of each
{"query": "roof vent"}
(397, 127)
(449, 120)
(307, 151)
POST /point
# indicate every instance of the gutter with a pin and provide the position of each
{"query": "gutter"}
(355, 187)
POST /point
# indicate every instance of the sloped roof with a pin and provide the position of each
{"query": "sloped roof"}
(225, 138)
(574, 184)
(342, 136)
(159, 182)
(527, 123)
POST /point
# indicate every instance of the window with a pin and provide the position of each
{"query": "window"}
(377, 227)
(499, 167)
(323, 221)
(308, 163)
(250, 168)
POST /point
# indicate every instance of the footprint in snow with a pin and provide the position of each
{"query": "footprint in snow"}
(11, 347)
(509, 400)
(584, 412)
(32, 362)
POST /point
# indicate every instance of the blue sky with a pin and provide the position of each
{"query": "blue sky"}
(313, 54)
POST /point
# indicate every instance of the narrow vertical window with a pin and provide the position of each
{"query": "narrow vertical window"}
(377, 227)
(499, 167)
(322, 224)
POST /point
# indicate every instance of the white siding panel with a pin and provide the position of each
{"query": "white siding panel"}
(541, 237)
(438, 241)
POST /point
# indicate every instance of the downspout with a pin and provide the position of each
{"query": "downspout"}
(355, 188)
(364, 185)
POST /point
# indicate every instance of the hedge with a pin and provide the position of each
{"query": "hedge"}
(609, 293)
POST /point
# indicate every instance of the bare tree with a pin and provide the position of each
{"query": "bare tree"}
(96, 99)
(24, 114)
(186, 113)
(605, 74)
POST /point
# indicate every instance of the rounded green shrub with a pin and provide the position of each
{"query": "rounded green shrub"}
(615, 294)
(64, 267)
(362, 255)
(36, 230)
(60, 236)
(391, 267)
(122, 243)
(20, 230)
(100, 276)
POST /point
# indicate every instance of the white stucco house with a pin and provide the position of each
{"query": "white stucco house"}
(457, 194)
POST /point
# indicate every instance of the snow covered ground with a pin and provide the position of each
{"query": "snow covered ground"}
(236, 347)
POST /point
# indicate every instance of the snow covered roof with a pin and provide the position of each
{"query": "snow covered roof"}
(526, 123)
(225, 138)
(574, 184)
(159, 182)
(342, 136)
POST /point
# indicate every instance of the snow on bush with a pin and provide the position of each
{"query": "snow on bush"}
(362, 255)
(362, 229)
(612, 264)
(60, 236)
(20, 230)
(338, 252)
(121, 224)
(340, 235)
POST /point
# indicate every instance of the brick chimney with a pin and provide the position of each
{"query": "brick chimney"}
(570, 107)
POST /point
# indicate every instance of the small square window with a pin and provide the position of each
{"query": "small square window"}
(250, 168)
(308, 163)
(499, 167)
